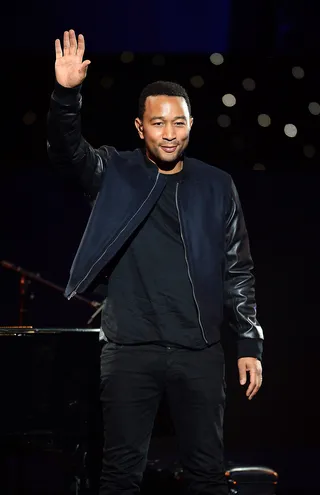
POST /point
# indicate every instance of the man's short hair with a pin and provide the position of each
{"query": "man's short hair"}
(158, 88)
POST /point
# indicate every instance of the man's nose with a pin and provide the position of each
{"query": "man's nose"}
(169, 133)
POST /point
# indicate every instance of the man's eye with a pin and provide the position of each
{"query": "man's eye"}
(179, 123)
(157, 123)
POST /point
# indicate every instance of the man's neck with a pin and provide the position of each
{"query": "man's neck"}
(178, 167)
(164, 167)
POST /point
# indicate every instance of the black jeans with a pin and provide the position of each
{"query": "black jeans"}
(133, 379)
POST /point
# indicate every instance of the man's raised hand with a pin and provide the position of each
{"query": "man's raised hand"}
(69, 67)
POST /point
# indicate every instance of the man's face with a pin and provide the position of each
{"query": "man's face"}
(165, 127)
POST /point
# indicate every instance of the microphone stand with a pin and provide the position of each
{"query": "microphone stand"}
(92, 317)
(24, 286)
(26, 276)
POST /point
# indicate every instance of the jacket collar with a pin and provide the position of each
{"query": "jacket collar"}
(151, 169)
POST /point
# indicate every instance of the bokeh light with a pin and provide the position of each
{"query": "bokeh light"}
(259, 166)
(298, 72)
(29, 118)
(127, 57)
(309, 150)
(249, 84)
(229, 100)
(264, 120)
(197, 81)
(216, 59)
(314, 108)
(106, 82)
(224, 120)
(290, 130)
(159, 60)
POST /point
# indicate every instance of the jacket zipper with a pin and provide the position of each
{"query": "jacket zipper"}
(188, 268)
(73, 293)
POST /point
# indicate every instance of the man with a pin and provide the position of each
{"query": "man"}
(167, 238)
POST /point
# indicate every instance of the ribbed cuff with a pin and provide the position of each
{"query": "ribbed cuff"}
(66, 96)
(250, 348)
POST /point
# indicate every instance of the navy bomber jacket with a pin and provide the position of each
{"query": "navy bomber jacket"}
(123, 192)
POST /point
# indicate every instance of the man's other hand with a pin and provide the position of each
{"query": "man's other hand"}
(254, 367)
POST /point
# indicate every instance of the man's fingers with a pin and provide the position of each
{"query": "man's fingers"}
(66, 43)
(73, 42)
(253, 383)
(81, 46)
(254, 391)
(58, 48)
(70, 45)
(253, 366)
(257, 385)
(84, 66)
(242, 373)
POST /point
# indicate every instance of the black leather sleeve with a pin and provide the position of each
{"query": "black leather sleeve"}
(239, 295)
(68, 151)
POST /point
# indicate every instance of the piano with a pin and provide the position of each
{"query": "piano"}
(51, 431)
(49, 414)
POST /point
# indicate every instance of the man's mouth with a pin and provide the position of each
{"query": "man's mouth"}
(169, 149)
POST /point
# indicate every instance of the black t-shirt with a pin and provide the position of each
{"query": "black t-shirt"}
(150, 296)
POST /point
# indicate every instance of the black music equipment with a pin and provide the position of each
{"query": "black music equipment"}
(50, 424)
(242, 479)
(49, 414)
(251, 480)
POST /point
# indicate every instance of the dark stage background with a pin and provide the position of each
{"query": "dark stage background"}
(43, 217)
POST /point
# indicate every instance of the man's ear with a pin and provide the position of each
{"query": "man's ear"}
(139, 127)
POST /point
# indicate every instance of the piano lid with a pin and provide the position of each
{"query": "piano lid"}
(22, 330)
